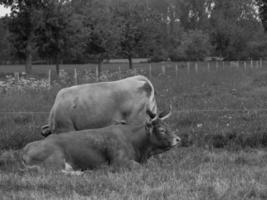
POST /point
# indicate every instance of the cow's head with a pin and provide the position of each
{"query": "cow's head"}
(159, 134)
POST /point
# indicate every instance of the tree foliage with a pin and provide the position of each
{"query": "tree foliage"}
(263, 12)
(5, 50)
(24, 20)
(84, 30)
(53, 32)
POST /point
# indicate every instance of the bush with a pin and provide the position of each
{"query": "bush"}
(159, 55)
(195, 45)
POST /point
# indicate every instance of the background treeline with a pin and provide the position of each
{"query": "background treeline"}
(82, 31)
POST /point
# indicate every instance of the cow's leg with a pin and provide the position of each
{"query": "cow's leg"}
(121, 158)
(56, 161)
(125, 164)
(70, 171)
(41, 154)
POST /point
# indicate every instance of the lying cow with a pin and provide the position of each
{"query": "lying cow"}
(98, 105)
(88, 149)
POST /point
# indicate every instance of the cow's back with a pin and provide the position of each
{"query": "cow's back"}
(98, 105)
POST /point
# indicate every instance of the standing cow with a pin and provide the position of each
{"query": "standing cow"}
(98, 105)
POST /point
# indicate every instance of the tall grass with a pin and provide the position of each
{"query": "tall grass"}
(183, 173)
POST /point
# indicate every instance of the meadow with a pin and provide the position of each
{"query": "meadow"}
(219, 111)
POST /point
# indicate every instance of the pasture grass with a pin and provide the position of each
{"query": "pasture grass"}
(217, 108)
(182, 173)
(220, 115)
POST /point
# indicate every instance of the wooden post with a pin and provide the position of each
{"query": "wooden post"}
(251, 64)
(245, 65)
(176, 70)
(16, 74)
(75, 77)
(163, 69)
(223, 65)
(119, 72)
(188, 67)
(196, 67)
(96, 74)
(150, 71)
(208, 66)
(217, 66)
(260, 63)
(49, 79)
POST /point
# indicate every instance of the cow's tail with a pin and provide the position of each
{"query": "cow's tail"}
(47, 129)
(152, 104)
(11, 158)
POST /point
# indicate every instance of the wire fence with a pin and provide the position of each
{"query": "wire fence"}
(176, 111)
(173, 69)
(151, 68)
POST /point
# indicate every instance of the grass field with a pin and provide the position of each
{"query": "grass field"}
(220, 114)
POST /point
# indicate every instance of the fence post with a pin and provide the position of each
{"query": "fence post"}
(49, 79)
(251, 64)
(208, 66)
(75, 77)
(119, 72)
(16, 74)
(260, 63)
(217, 66)
(150, 71)
(163, 69)
(196, 67)
(176, 70)
(188, 67)
(96, 74)
(245, 65)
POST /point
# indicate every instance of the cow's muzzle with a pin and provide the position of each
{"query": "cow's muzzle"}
(175, 141)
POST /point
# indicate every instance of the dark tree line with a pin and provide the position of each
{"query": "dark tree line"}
(81, 31)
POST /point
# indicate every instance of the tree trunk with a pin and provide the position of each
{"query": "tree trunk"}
(57, 64)
(28, 65)
(130, 61)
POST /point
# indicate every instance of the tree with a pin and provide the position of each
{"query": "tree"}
(101, 31)
(194, 14)
(263, 12)
(53, 32)
(24, 20)
(233, 24)
(133, 20)
(195, 45)
(5, 50)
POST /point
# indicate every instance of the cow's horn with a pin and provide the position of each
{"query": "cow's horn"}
(154, 118)
(165, 115)
(152, 115)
